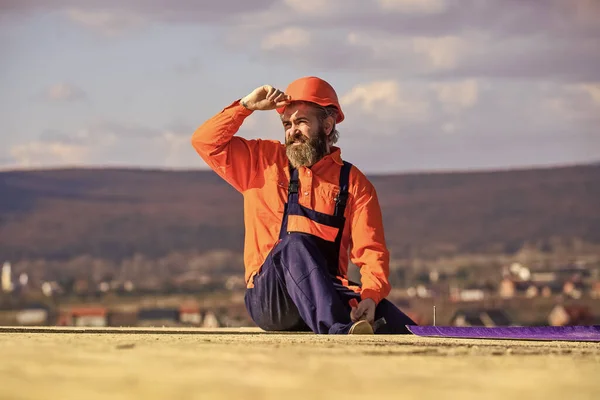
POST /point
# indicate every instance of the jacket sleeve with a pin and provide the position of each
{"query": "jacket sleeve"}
(232, 157)
(368, 251)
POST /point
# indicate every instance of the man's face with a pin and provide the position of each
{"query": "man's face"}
(305, 138)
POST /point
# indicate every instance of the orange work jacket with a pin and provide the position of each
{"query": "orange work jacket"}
(259, 170)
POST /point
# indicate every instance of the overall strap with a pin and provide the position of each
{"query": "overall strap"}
(291, 201)
(293, 187)
(342, 198)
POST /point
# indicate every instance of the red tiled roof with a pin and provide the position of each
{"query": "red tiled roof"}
(88, 311)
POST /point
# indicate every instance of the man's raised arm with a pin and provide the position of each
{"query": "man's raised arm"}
(232, 157)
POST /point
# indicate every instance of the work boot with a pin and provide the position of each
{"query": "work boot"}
(362, 327)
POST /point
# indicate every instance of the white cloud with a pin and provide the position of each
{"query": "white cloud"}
(380, 44)
(63, 92)
(415, 37)
(391, 125)
(177, 147)
(413, 6)
(478, 71)
(592, 90)
(319, 8)
(287, 38)
(107, 11)
(42, 153)
(409, 55)
(107, 143)
(387, 100)
(456, 96)
(442, 52)
(96, 135)
(437, 39)
(573, 103)
(485, 111)
(109, 23)
(449, 127)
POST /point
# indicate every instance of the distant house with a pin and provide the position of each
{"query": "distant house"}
(506, 288)
(544, 276)
(84, 316)
(81, 286)
(532, 291)
(574, 273)
(8, 317)
(562, 315)
(480, 317)
(545, 290)
(551, 288)
(158, 317)
(33, 315)
(189, 314)
(122, 318)
(210, 320)
(595, 290)
(472, 295)
(510, 288)
(517, 271)
(468, 294)
(573, 289)
(420, 291)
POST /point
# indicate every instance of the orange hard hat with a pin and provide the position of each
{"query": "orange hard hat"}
(315, 90)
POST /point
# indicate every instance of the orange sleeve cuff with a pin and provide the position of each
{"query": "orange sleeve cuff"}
(239, 108)
(370, 294)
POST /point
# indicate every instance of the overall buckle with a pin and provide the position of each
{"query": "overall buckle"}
(293, 188)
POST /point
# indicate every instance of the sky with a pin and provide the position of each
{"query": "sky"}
(426, 85)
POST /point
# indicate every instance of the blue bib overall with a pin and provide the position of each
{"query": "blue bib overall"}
(297, 289)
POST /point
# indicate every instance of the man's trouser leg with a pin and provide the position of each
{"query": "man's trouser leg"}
(294, 291)
(268, 302)
(293, 286)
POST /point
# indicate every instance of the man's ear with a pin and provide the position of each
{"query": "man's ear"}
(328, 125)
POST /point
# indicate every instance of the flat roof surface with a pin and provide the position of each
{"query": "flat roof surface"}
(189, 363)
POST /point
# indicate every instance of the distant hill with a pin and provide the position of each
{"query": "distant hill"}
(115, 213)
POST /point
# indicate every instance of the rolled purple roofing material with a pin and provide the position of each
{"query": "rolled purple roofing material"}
(570, 333)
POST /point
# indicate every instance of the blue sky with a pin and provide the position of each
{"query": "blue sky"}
(425, 85)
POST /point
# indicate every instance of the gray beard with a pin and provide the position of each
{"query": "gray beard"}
(309, 152)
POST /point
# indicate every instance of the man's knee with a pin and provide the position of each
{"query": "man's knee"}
(279, 314)
(289, 321)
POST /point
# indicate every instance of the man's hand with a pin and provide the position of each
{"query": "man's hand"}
(364, 310)
(265, 98)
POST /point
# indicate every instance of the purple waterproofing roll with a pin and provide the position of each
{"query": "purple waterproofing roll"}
(571, 333)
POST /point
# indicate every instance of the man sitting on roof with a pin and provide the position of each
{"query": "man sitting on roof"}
(307, 212)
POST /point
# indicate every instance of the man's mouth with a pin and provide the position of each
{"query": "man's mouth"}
(297, 142)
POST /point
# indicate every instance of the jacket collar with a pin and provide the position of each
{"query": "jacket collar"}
(336, 155)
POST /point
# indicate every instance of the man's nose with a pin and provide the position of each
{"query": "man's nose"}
(294, 130)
